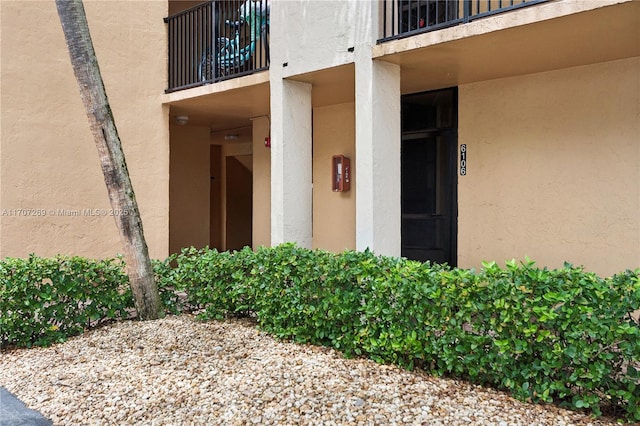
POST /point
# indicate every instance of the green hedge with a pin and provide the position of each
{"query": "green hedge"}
(565, 336)
(46, 300)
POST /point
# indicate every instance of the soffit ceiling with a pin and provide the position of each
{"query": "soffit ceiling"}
(598, 35)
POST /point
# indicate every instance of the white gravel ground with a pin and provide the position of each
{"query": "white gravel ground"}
(178, 371)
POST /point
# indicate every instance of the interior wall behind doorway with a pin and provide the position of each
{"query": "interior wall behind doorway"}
(239, 184)
(215, 198)
(188, 187)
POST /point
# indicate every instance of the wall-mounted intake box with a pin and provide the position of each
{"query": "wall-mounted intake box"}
(341, 173)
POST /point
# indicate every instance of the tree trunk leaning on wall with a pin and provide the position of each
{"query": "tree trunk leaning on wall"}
(116, 176)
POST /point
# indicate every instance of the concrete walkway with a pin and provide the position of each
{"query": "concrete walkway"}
(13, 412)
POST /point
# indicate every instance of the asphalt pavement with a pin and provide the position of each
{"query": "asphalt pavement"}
(13, 412)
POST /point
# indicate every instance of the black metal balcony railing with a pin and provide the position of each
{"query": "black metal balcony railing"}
(402, 18)
(217, 40)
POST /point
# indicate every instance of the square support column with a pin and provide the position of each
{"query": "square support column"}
(291, 163)
(378, 135)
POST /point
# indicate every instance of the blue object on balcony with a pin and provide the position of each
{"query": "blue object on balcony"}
(217, 40)
(229, 55)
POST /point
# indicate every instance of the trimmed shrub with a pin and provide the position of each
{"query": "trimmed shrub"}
(565, 336)
(46, 300)
(204, 280)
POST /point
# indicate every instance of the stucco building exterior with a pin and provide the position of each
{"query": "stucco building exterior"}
(475, 131)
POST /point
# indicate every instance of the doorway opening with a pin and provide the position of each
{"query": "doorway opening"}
(429, 205)
(231, 200)
(239, 201)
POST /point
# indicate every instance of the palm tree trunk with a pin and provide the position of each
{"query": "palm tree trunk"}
(114, 168)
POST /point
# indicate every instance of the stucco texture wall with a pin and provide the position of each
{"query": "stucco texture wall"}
(49, 164)
(190, 187)
(553, 168)
(261, 183)
(312, 35)
(334, 213)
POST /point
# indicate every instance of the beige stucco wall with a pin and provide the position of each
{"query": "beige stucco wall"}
(261, 183)
(334, 213)
(553, 168)
(48, 158)
(189, 188)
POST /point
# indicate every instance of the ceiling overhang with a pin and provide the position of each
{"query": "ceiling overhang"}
(229, 104)
(540, 38)
(330, 86)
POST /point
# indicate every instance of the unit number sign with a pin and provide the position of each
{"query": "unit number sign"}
(463, 159)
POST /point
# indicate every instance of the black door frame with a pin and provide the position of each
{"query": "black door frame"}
(450, 132)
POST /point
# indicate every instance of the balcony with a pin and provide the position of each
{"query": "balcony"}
(404, 18)
(217, 40)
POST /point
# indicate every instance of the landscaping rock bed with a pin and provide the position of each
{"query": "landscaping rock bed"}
(178, 371)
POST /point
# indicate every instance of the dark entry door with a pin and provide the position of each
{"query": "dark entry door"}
(429, 177)
(239, 202)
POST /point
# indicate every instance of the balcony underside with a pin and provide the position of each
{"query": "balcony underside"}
(231, 103)
(541, 38)
(225, 105)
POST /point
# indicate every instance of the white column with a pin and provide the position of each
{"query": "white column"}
(291, 136)
(378, 156)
